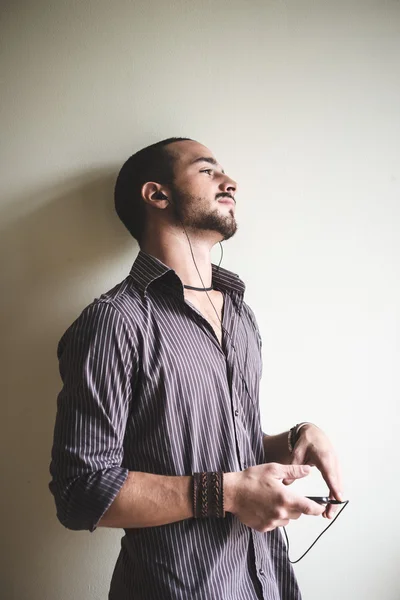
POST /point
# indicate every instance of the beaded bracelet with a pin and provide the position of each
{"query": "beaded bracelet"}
(208, 495)
(293, 436)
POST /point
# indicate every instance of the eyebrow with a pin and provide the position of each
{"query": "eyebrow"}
(207, 159)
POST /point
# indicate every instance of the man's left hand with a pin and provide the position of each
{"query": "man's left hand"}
(314, 448)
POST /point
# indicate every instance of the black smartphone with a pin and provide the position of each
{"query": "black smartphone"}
(325, 500)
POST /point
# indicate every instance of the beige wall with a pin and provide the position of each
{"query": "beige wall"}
(300, 102)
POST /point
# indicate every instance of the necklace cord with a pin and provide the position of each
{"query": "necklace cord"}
(197, 289)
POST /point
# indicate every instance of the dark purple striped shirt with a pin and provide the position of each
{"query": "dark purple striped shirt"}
(148, 387)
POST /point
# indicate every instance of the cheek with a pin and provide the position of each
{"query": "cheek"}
(195, 191)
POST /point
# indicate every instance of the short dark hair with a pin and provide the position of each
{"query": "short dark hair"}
(153, 163)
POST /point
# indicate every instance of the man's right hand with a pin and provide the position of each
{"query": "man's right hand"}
(259, 499)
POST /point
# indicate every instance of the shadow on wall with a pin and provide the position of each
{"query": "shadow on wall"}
(53, 257)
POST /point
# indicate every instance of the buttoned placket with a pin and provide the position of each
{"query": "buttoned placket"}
(235, 385)
(232, 317)
(230, 321)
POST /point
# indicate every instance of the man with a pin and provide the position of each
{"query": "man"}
(158, 425)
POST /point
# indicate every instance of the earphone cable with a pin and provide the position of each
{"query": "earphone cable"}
(245, 384)
(293, 562)
(216, 312)
(221, 257)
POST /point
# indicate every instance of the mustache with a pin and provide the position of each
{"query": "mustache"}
(225, 195)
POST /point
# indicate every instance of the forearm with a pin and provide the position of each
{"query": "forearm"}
(276, 448)
(147, 500)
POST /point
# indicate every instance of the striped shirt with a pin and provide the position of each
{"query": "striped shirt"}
(148, 387)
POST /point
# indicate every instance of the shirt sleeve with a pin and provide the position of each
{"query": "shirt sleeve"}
(98, 365)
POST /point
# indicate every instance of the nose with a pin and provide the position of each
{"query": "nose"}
(228, 185)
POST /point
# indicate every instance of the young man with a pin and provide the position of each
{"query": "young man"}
(158, 425)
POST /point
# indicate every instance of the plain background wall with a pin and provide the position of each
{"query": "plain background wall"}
(300, 102)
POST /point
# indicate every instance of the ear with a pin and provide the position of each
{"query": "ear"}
(152, 194)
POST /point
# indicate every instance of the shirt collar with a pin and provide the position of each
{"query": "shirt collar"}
(147, 268)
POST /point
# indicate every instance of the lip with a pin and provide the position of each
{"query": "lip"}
(227, 201)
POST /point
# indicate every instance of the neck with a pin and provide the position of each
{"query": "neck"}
(171, 246)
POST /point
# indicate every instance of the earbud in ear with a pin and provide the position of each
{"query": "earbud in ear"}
(160, 196)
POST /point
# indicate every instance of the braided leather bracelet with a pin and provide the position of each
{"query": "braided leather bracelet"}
(208, 495)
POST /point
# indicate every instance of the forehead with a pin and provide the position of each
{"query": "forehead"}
(187, 151)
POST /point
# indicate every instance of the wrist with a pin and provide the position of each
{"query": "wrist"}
(302, 431)
(208, 495)
(295, 433)
(276, 449)
(231, 486)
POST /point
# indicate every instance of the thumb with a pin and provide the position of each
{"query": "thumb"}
(309, 507)
(290, 472)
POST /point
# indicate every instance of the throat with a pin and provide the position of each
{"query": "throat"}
(211, 309)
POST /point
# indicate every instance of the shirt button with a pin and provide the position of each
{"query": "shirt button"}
(236, 413)
(261, 572)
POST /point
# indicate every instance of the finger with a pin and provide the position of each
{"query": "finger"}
(281, 523)
(330, 471)
(288, 471)
(299, 455)
(275, 524)
(295, 516)
(309, 507)
(331, 509)
(294, 513)
(287, 481)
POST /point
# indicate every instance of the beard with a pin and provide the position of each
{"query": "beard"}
(192, 212)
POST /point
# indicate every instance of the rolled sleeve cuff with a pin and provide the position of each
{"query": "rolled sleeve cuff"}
(88, 497)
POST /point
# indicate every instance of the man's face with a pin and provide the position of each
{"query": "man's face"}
(202, 194)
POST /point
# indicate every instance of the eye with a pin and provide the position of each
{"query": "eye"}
(206, 171)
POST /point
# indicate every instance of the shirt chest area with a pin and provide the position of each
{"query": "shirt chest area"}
(181, 355)
(182, 345)
(191, 405)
